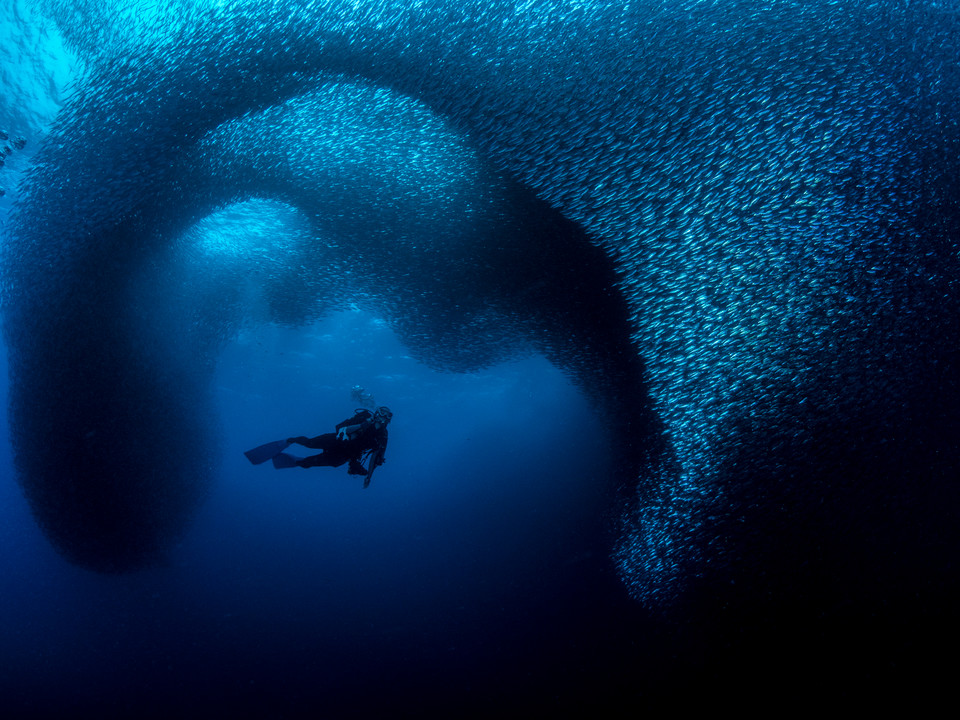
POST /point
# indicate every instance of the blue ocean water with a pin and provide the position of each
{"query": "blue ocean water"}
(663, 297)
(299, 589)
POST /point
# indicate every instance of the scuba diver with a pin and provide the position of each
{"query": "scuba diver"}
(361, 438)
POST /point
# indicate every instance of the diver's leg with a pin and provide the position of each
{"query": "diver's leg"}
(320, 442)
(321, 460)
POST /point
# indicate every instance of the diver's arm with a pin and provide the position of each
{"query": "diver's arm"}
(344, 433)
(351, 425)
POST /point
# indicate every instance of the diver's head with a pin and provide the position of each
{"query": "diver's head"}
(383, 415)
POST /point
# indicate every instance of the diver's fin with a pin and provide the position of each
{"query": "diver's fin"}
(265, 452)
(283, 460)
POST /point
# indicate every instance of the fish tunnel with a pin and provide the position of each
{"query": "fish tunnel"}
(377, 203)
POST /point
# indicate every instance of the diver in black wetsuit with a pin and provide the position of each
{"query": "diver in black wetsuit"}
(365, 432)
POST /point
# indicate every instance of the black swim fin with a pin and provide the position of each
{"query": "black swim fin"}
(265, 452)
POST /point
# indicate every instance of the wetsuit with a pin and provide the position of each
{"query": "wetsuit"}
(367, 436)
